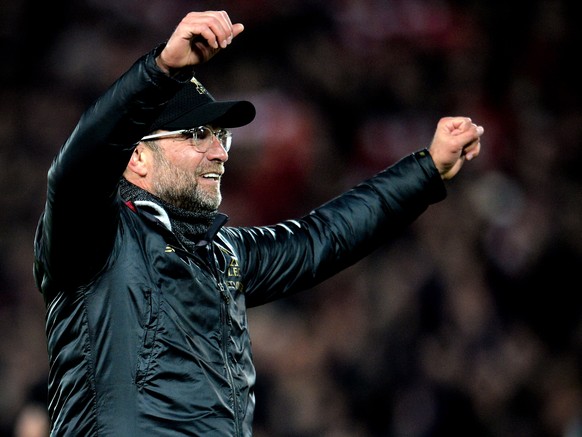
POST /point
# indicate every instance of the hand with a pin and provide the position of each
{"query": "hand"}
(198, 37)
(455, 139)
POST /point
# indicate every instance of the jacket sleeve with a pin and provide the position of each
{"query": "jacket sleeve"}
(76, 232)
(298, 254)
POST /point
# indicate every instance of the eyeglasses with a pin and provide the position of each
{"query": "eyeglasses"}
(199, 136)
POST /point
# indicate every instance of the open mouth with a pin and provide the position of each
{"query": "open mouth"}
(213, 176)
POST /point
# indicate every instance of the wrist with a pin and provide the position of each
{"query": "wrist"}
(183, 74)
(162, 65)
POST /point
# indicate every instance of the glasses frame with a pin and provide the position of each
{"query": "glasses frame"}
(224, 136)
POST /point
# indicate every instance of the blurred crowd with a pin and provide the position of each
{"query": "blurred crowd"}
(468, 324)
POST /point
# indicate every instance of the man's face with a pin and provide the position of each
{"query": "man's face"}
(187, 178)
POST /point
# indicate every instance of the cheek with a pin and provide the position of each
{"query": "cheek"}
(185, 159)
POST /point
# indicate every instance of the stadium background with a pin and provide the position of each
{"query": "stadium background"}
(470, 323)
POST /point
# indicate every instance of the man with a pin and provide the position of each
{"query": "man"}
(146, 289)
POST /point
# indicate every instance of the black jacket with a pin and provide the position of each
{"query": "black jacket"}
(147, 339)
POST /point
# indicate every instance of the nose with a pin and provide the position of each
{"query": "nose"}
(216, 151)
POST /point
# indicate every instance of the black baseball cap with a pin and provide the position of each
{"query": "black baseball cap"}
(194, 106)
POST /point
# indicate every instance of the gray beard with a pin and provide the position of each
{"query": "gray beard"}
(180, 188)
(188, 198)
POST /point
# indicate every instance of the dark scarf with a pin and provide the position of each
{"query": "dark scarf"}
(188, 226)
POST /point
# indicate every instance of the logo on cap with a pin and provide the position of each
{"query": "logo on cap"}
(199, 87)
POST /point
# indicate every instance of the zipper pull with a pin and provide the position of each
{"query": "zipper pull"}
(223, 293)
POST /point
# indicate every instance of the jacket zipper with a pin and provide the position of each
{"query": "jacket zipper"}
(225, 323)
(225, 301)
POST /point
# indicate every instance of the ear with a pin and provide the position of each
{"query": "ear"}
(140, 161)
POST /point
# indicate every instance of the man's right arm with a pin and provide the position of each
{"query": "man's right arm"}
(78, 226)
(76, 233)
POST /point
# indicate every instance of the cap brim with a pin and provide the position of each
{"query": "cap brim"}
(223, 114)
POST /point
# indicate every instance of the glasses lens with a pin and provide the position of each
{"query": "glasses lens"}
(202, 137)
(225, 138)
(202, 133)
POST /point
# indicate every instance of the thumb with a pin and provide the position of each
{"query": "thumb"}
(237, 29)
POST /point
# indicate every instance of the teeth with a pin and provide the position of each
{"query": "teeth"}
(211, 175)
